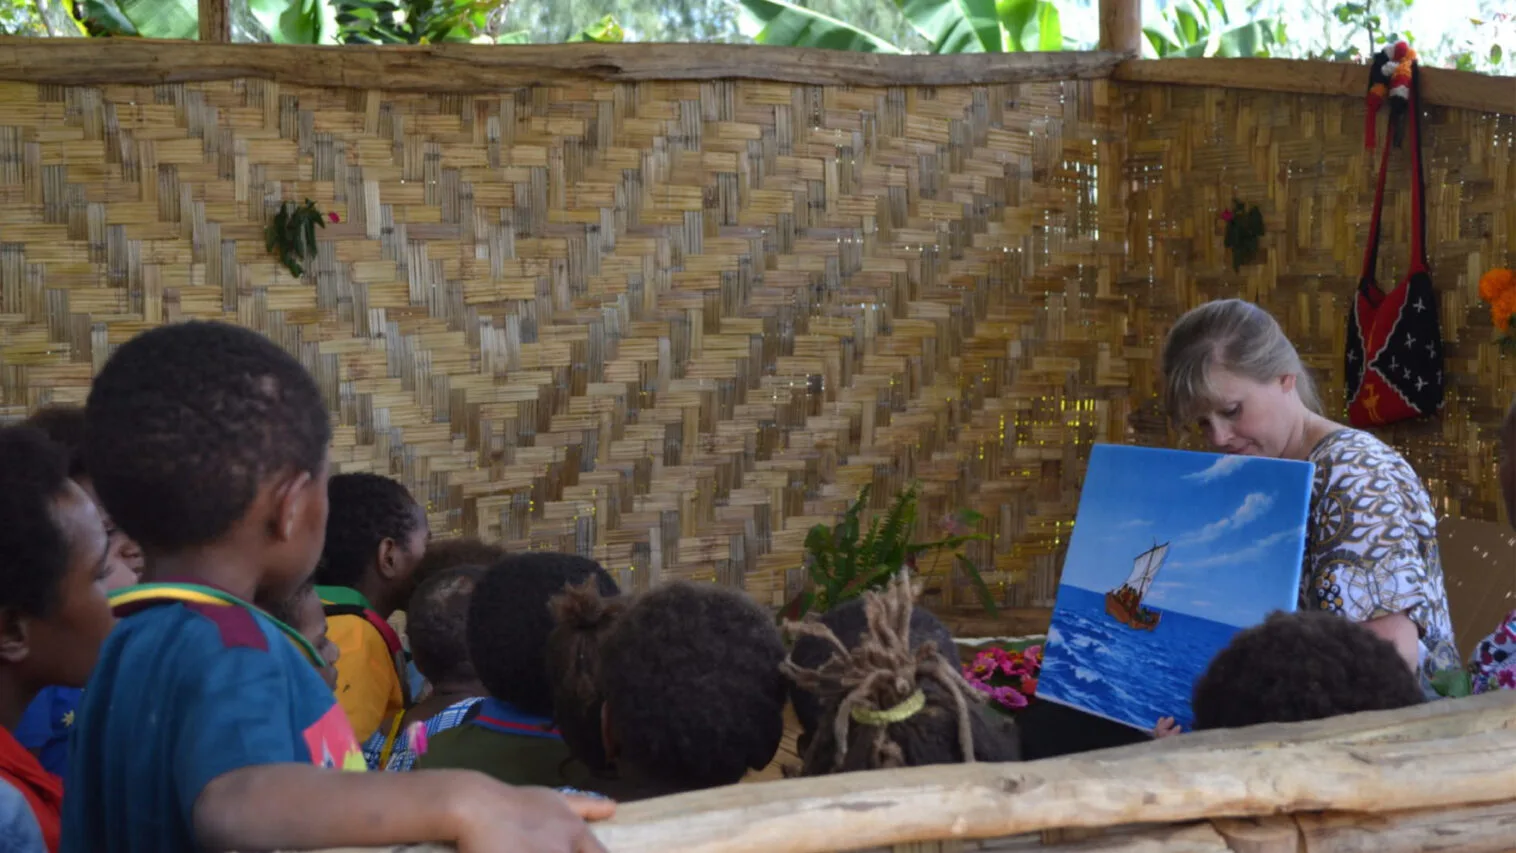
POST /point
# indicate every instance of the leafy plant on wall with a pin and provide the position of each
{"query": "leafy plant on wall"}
(949, 26)
(845, 560)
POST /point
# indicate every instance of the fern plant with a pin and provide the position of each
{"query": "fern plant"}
(845, 560)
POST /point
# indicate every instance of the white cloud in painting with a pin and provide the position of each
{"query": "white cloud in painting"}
(1133, 524)
(1220, 468)
(1241, 555)
(1253, 505)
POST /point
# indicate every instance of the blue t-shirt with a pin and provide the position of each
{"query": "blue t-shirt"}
(18, 826)
(44, 727)
(182, 694)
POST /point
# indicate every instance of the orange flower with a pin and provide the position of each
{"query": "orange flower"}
(1502, 309)
(1496, 282)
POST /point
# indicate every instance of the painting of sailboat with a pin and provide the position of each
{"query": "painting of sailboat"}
(1124, 603)
(1172, 554)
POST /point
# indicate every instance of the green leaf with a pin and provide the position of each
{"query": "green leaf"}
(295, 21)
(777, 22)
(1049, 28)
(604, 31)
(1452, 683)
(1495, 54)
(1255, 222)
(1030, 25)
(977, 582)
(161, 19)
(955, 26)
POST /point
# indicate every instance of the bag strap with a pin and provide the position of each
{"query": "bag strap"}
(189, 593)
(1418, 195)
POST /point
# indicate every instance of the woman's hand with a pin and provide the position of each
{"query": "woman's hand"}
(1166, 727)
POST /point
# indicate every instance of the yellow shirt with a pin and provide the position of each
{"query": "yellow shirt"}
(368, 686)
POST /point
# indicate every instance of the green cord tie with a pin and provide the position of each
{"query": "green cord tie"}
(898, 714)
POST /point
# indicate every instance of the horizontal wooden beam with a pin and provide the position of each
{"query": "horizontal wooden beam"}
(1439, 86)
(1444, 755)
(460, 68)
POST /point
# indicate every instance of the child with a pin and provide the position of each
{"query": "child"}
(1492, 666)
(205, 725)
(1302, 666)
(53, 612)
(582, 618)
(375, 536)
(304, 612)
(44, 727)
(436, 620)
(693, 693)
(444, 554)
(889, 703)
(511, 735)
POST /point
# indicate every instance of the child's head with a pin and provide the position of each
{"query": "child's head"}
(693, 693)
(848, 622)
(53, 612)
(509, 620)
(888, 702)
(64, 425)
(461, 551)
(436, 620)
(376, 533)
(208, 437)
(303, 612)
(582, 618)
(1302, 666)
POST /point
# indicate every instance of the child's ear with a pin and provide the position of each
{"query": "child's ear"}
(290, 497)
(388, 559)
(14, 646)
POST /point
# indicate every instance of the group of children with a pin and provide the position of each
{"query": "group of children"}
(225, 693)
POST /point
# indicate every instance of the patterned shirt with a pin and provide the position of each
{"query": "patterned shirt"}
(1372, 545)
(411, 743)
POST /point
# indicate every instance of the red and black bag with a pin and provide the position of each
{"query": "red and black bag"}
(1394, 349)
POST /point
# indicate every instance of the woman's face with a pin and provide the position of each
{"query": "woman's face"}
(124, 561)
(1250, 418)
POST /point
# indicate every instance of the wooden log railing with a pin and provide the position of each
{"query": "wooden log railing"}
(1388, 781)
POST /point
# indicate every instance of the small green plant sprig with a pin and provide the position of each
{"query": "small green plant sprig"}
(291, 237)
(845, 560)
(1244, 225)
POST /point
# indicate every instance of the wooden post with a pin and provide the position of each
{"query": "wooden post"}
(215, 21)
(1120, 27)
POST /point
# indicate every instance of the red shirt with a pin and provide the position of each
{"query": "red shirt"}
(43, 790)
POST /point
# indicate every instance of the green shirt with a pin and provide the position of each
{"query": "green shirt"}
(513, 759)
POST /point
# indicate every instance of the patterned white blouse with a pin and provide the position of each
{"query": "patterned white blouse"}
(1371, 550)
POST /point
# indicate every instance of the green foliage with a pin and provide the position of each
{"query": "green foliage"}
(1198, 28)
(1244, 226)
(1452, 683)
(947, 26)
(291, 237)
(845, 560)
(159, 19)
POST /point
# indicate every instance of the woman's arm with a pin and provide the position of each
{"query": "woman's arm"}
(1398, 630)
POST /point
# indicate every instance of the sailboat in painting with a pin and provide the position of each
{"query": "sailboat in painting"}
(1124, 604)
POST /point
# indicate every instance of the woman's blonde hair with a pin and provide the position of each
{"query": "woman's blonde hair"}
(1236, 336)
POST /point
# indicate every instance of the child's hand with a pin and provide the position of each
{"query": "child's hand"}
(1166, 727)
(531, 820)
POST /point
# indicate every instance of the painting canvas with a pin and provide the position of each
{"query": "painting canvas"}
(1173, 553)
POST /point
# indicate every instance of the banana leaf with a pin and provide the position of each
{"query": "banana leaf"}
(777, 22)
(159, 19)
(955, 26)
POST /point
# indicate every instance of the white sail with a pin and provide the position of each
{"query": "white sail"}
(1145, 569)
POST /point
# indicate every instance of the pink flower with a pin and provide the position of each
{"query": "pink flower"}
(334, 217)
(1034, 654)
(1010, 697)
(1227, 215)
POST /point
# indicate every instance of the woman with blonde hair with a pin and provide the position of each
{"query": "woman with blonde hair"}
(1371, 549)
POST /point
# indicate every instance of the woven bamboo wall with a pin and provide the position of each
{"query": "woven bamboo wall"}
(671, 325)
(1301, 159)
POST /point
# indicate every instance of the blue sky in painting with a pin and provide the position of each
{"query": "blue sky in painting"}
(1236, 525)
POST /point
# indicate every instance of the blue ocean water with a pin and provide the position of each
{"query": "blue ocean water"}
(1097, 664)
